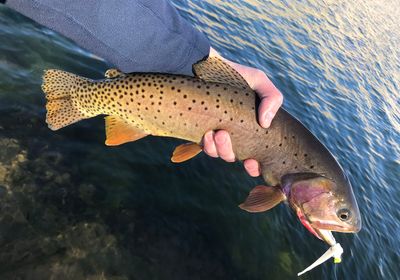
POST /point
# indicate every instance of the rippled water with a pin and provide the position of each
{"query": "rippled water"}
(72, 208)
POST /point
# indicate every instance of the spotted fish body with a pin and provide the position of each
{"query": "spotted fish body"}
(186, 107)
(140, 104)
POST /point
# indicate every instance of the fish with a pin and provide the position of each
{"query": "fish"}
(296, 167)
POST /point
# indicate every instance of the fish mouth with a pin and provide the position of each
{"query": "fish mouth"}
(322, 230)
(335, 227)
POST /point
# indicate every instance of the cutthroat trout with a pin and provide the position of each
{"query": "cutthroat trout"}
(294, 164)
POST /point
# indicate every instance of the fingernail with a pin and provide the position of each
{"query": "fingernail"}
(268, 119)
(209, 135)
(220, 139)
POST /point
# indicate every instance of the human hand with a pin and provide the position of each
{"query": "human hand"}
(218, 144)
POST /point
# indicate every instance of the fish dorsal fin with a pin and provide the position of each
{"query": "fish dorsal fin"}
(215, 70)
(113, 73)
(185, 152)
(119, 131)
(262, 198)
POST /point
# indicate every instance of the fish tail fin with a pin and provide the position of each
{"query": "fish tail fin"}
(59, 88)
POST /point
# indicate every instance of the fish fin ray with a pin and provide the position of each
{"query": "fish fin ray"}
(262, 198)
(214, 69)
(58, 86)
(113, 73)
(185, 152)
(118, 131)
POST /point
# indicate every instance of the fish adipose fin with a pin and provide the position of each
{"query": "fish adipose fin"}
(214, 69)
(119, 131)
(58, 86)
(185, 152)
(262, 198)
(113, 73)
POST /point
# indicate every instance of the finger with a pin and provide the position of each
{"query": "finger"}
(224, 145)
(252, 167)
(271, 100)
(268, 107)
(209, 144)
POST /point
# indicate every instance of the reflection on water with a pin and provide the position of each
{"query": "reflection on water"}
(70, 206)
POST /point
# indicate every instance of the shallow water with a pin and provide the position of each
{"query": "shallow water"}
(72, 208)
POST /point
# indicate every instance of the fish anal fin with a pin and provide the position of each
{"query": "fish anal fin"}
(214, 69)
(185, 152)
(262, 198)
(113, 73)
(118, 131)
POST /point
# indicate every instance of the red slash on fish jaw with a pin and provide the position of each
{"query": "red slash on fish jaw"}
(305, 223)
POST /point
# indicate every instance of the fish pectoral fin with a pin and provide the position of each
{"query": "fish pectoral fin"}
(262, 198)
(113, 73)
(185, 152)
(214, 69)
(118, 131)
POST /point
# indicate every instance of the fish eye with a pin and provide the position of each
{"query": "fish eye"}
(343, 214)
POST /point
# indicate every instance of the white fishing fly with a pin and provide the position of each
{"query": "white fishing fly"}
(334, 251)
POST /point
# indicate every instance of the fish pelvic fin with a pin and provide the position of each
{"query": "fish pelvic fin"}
(262, 198)
(118, 131)
(185, 152)
(59, 88)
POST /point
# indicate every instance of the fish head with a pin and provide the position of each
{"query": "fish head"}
(322, 204)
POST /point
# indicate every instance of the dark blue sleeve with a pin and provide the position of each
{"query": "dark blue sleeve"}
(133, 35)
